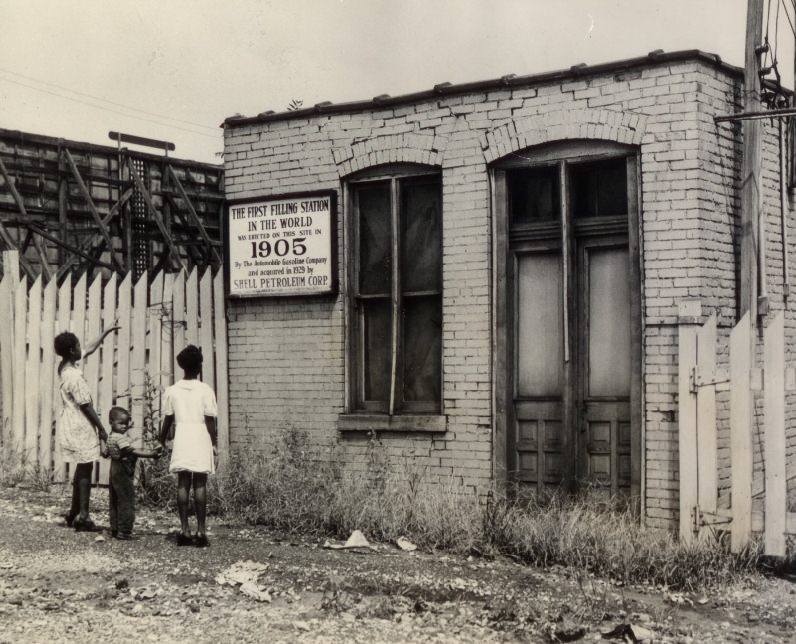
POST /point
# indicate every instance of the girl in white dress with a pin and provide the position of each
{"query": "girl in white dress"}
(189, 406)
(80, 431)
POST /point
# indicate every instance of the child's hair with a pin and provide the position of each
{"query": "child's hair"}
(190, 359)
(64, 343)
(116, 413)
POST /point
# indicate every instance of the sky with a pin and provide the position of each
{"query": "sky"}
(175, 69)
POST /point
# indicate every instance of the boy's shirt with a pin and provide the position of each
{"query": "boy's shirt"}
(120, 447)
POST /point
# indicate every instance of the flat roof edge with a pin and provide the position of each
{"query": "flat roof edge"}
(448, 89)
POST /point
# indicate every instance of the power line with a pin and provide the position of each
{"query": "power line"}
(105, 100)
(106, 109)
(787, 15)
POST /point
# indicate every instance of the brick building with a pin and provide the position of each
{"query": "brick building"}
(511, 255)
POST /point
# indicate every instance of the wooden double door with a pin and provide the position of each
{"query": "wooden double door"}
(572, 338)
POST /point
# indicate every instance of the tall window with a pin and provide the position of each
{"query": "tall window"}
(397, 286)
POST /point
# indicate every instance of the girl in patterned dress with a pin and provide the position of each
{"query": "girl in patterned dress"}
(80, 431)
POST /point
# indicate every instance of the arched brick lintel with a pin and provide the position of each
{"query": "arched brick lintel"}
(607, 125)
(426, 149)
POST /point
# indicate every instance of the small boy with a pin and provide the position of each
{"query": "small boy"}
(123, 459)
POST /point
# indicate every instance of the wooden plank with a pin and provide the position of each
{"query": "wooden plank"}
(222, 377)
(32, 369)
(166, 357)
(11, 264)
(178, 323)
(707, 466)
(105, 395)
(47, 377)
(37, 243)
(192, 308)
(741, 433)
(687, 415)
(7, 356)
(138, 357)
(20, 353)
(206, 329)
(78, 322)
(91, 363)
(776, 503)
(154, 339)
(123, 344)
(61, 325)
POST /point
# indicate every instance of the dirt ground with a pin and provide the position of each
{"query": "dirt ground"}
(57, 585)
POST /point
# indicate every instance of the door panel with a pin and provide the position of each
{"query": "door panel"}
(540, 365)
(604, 376)
(538, 408)
(609, 322)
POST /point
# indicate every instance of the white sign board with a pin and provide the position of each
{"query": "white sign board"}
(281, 245)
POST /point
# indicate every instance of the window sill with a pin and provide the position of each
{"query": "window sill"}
(384, 423)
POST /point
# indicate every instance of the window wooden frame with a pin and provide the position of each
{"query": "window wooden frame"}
(361, 414)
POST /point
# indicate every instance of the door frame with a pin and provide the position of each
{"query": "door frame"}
(503, 322)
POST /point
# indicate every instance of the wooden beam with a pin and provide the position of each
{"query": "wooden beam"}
(45, 266)
(91, 244)
(196, 256)
(62, 244)
(94, 212)
(195, 217)
(156, 215)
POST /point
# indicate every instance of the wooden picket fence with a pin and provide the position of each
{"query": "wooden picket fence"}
(699, 379)
(157, 318)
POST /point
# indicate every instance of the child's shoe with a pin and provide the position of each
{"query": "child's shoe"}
(125, 536)
(184, 539)
(69, 519)
(201, 541)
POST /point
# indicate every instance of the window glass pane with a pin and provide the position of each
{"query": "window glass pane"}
(540, 321)
(375, 253)
(421, 251)
(377, 350)
(533, 194)
(599, 188)
(422, 349)
(609, 323)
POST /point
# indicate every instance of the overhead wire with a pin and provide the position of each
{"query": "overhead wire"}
(105, 100)
(106, 109)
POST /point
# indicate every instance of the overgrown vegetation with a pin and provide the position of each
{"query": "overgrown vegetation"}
(17, 469)
(289, 489)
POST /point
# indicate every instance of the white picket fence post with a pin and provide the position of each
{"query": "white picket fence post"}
(699, 379)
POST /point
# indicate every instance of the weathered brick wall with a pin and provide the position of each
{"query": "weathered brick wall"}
(287, 355)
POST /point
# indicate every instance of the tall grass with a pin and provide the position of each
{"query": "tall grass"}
(288, 489)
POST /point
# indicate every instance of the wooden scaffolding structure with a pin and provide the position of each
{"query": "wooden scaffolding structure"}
(73, 207)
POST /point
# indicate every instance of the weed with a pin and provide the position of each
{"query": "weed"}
(291, 488)
(18, 468)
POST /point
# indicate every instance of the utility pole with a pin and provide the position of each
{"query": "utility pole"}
(750, 167)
